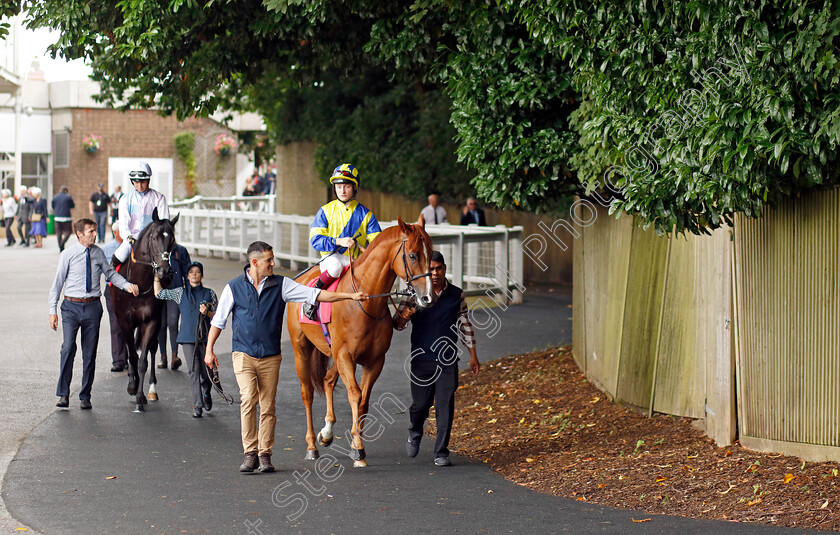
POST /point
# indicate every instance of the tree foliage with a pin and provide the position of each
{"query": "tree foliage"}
(685, 113)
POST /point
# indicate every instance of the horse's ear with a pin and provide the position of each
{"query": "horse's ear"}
(403, 226)
(421, 221)
(175, 219)
(155, 217)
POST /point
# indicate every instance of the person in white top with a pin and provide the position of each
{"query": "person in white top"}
(434, 213)
(136, 209)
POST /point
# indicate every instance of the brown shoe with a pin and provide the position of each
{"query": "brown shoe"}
(163, 363)
(176, 362)
(265, 463)
(250, 462)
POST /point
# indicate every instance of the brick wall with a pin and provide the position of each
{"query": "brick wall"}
(140, 134)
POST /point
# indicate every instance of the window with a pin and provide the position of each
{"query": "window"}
(62, 149)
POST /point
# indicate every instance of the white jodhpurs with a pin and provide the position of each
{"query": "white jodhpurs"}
(334, 264)
(123, 251)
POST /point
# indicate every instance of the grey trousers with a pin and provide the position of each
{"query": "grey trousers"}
(199, 378)
(170, 314)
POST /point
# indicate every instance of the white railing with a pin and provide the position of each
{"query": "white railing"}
(236, 203)
(479, 259)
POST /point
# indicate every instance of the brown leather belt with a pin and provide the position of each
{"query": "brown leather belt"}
(81, 300)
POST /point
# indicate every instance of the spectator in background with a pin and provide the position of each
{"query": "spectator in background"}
(473, 215)
(119, 351)
(61, 205)
(38, 217)
(98, 207)
(270, 181)
(115, 204)
(179, 261)
(434, 213)
(24, 213)
(9, 211)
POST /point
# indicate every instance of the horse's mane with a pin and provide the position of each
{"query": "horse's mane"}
(148, 227)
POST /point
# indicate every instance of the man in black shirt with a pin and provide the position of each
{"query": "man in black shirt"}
(98, 207)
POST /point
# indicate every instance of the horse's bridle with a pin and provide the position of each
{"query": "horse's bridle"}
(408, 279)
(164, 257)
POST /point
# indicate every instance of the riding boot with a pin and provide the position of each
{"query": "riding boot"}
(310, 310)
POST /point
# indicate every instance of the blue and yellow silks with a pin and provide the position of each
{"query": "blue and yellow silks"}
(337, 220)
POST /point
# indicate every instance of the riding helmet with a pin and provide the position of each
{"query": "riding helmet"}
(345, 174)
(141, 172)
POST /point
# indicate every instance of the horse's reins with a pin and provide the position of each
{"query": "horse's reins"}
(409, 292)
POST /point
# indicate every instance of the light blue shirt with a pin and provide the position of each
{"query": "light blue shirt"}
(70, 274)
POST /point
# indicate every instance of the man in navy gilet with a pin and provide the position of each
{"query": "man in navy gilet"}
(257, 300)
(434, 358)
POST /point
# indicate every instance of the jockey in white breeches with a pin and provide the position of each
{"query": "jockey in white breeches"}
(136, 209)
(339, 227)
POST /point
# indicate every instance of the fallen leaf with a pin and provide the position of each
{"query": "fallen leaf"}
(596, 399)
(21, 529)
(493, 421)
(537, 401)
(522, 421)
(111, 477)
(757, 500)
(581, 499)
(642, 520)
(602, 485)
(823, 506)
(529, 459)
(660, 478)
(789, 478)
(489, 492)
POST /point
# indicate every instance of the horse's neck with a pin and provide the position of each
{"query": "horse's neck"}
(376, 276)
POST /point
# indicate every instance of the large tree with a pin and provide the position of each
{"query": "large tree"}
(685, 113)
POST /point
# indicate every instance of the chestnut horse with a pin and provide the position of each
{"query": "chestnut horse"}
(139, 317)
(360, 331)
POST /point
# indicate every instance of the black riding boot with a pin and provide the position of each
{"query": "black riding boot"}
(310, 310)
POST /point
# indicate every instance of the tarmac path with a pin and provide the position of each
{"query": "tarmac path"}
(112, 471)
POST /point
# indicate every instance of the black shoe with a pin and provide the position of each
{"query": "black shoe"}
(310, 311)
(176, 362)
(442, 461)
(250, 462)
(207, 401)
(265, 463)
(197, 412)
(163, 364)
(412, 447)
(85, 404)
(118, 368)
(63, 402)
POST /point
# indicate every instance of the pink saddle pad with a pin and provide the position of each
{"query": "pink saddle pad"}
(325, 309)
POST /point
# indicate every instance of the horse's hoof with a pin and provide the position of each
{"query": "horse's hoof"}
(325, 442)
(311, 455)
(139, 408)
(132, 387)
(359, 464)
(153, 396)
(357, 456)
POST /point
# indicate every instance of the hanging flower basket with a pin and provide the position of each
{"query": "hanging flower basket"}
(224, 144)
(92, 143)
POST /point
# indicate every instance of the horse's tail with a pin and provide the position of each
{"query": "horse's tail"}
(317, 370)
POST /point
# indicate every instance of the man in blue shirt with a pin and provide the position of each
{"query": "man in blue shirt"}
(257, 299)
(61, 205)
(80, 268)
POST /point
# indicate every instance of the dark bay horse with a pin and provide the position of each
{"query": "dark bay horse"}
(360, 331)
(139, 317)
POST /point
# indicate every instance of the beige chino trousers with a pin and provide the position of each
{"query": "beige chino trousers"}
(257, 380)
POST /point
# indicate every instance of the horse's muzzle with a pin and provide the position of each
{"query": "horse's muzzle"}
(424, 301)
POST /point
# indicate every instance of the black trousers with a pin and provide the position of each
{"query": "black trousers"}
(24, 226)
(63, 231)
(75, 316)
(119, 351)
(430, 386)
(10, 238)
(169, 316)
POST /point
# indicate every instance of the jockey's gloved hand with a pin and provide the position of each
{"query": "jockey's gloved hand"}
(131, 240)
